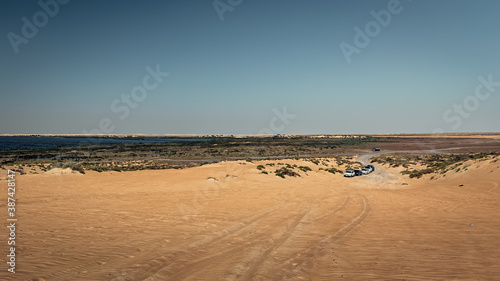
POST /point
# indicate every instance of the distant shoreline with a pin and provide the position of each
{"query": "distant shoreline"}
(468, 134)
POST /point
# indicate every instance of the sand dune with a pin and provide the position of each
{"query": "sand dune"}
(227, 221)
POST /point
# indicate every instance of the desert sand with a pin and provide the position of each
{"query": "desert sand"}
(227, 221)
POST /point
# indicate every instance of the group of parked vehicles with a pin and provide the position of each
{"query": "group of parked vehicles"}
(365, 171)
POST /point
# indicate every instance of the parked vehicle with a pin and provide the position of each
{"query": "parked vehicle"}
(376, 149)
(365, 171)
(349, 173)
(358, 172)
(371, 167)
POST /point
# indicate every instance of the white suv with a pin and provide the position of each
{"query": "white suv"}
(349, 173)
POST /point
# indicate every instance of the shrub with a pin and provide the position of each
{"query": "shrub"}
(284, 171)
(314, 161)
(72, 165)
(261, 167)
(418, 173)
(332, 170)
(305, 168)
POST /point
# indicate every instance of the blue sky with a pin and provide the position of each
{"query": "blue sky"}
(232, 76)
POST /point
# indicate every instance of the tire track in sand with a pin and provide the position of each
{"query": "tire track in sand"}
(268, 263)
(302, 270)
(178, 269)
(259, 254)
(161, 262)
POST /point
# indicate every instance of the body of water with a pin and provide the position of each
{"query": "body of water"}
(28, 142)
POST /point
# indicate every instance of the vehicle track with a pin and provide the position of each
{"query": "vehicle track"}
(268, 262)
(226, 249)
(316, 253)
(259, 254)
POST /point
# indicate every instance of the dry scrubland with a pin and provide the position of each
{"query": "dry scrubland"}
(417, 217)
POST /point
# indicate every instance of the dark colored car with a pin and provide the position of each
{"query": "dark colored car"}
(376, 149)
(358, 173)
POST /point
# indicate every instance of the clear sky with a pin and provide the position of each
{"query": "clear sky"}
(234, 68)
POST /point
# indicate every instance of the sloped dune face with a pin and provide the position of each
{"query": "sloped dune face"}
(60, 171)
(232, 221)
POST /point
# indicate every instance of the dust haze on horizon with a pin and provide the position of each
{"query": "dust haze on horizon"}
(249, 67)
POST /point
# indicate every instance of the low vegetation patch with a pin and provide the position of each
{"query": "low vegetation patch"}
(72, 165)
(312, 160)
(418, 173)
(433, 163)
(332, 170)
(348, 163)
(305, 168)
(284, 171)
